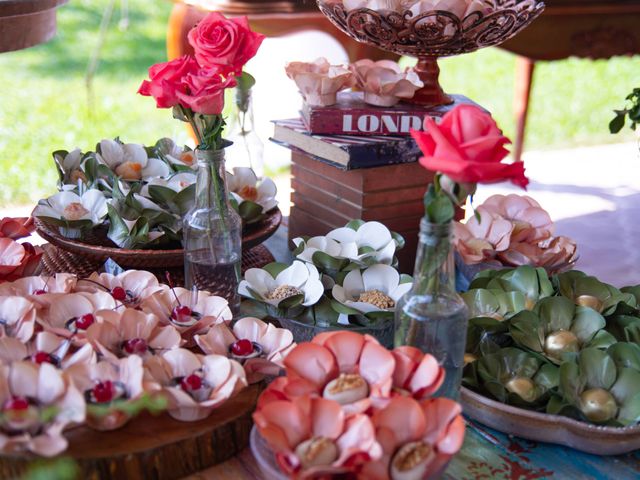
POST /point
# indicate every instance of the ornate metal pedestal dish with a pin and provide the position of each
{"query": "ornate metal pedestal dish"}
(432, 34)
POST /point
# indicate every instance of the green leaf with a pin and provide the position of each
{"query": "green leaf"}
(625, 354)
(627, 385)
(324, 313)
(292, 301)
(617, 123)
(440, 210)
(162, 195)
(630, 412)
(404, 278)
(327, 263)
(571, 382)
(250, 211)
(586, 324)
(355, 224)
(185, 199)
(399, 239)
(274, 268)
(548, 376)
(527, 330)
(556, 313)
(597, 367)
(341, 308)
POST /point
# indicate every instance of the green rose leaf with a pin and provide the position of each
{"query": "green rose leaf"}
(274, 268)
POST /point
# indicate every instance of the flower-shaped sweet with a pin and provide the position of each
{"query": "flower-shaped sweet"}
(18, 259)
(245, 187)
(70, 166)
(531, 282)
(259, 346)
(557, 327)
(70, 315)
(195, 384)
(482, 236)
(17, 317)
(174, 154)
(416, 374)
(418, 438)
(15, 228)
(384, 83)
(45, 348)
(73, 211)
(38, 402)
(306, 249)
(282, 286)
(373, 242)
(191, 312)
(553, 254)
(531, 223)
(588, 291)
(319, 82)
(494, 304)
(107, 386)
(176, 183)
(603, 392)
(129, 287)
(130, 161)
(344, 366)
(376, 289)
(130, 332)
(313, 437)
(513, 376)
(40, 285)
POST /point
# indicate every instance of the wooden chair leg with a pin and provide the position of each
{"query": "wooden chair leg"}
(524, 79)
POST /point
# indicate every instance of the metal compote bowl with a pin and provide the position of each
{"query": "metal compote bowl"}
(433, 34)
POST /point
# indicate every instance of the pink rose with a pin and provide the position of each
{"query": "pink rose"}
(227, 43)
(468, 147)
(167, 81)
(205, 91)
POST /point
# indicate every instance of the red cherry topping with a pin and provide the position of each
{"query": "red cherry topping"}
(104, 392)
(42, 357)
(85, 321)
(181, 312)
(135, 345)
(16, 404)
(40, 292)
(191, 383)
(119, 294)
(242, 348)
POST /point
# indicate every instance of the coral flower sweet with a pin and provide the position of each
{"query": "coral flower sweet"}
(418, 438)
(130, 332)
(313, 437)
(130, 161)
(416, 374)
(259, 346)
(15, 228)
(38, 402)
(195, 384)
(108, 385)
(245, 186)
(343, 366)
(18, 259)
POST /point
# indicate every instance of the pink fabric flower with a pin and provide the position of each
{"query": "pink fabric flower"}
(167, 79)
(18, 259)
(313, 437)
(224, 43)
(384, 83)
(531, 222)
(468, 147)
(15, 228)
(416, 374)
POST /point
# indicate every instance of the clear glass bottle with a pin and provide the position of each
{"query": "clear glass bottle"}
(432, 316)
(247, 149)
(213, 233)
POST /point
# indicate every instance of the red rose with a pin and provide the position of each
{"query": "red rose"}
(205, 91)
(468, 147)
(226, 43)
(167, 81)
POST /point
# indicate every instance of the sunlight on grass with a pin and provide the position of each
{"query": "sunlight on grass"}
(44, 105)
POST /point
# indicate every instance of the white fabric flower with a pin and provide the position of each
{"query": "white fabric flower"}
(325, 245)
(301, 278)
(71, 207)
(380, 278)
(244, 185)
(175, 154)
(130, 161)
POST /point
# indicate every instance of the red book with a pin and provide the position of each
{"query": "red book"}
(351, 116)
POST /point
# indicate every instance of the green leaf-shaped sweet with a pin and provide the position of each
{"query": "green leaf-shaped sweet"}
(493, 303)
(634, 290)
(625, 355)
(625, 328)
(250, 212)
(517, 377)
(591, 292)
(484, 336)
(527, 329)
(531, 282)
(602, 390)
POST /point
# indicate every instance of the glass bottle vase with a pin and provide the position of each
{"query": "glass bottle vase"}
(213, 233)
(247, 149)
(432, 316)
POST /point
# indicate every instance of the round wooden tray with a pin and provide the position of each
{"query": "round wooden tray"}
(92, 246)
(544, 427)
(157, 448)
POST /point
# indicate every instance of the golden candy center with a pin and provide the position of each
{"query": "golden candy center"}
(411, 455)
(283, 291)
(377, 298)
(74, 211)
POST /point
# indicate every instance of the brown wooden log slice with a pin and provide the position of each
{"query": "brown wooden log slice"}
(155, 448)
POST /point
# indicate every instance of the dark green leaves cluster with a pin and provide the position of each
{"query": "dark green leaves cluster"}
(631, 111)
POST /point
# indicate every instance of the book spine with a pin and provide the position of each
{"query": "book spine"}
(384, 153)
(362, 122)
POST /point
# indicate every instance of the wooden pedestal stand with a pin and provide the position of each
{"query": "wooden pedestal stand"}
(325, 197)
(157, 448)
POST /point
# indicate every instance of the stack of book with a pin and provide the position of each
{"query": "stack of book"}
(352, 160)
